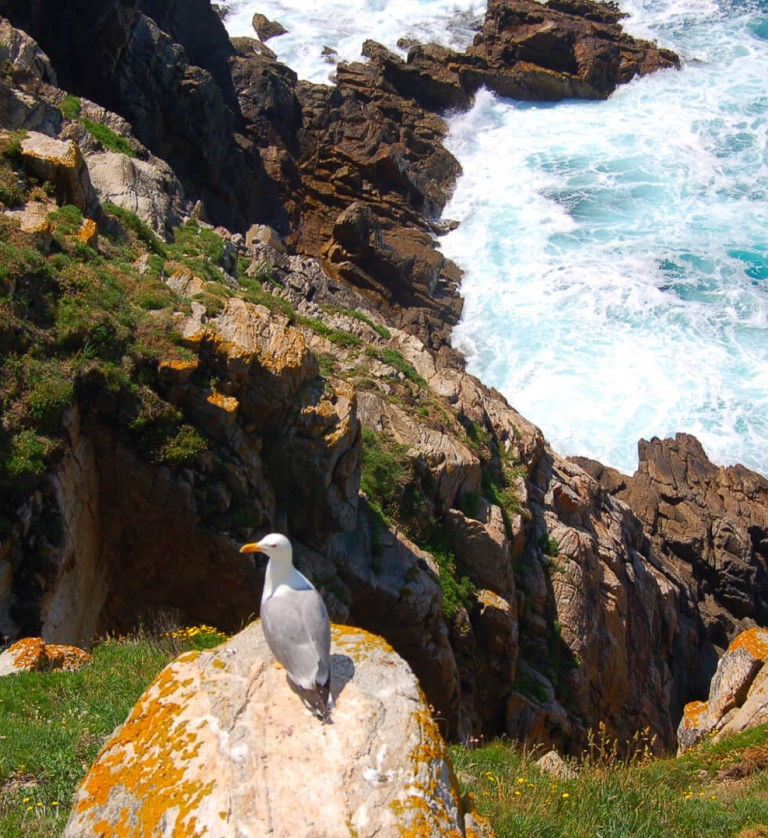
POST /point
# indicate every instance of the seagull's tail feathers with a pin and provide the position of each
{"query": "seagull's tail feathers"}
(317, 699)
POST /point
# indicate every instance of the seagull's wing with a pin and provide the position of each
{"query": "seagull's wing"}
(296, 625)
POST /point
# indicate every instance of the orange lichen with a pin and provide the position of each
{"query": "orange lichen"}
(228, 403)
(88, 232)
(29, 653)
(754, 641)
(147, 763)
(35, 655)
(359, 641)
(431, 793)
(693, 713)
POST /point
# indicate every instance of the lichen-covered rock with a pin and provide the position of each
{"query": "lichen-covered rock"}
(738, 694)
(33, 654)
(61, 163)
(32, 218)
(694, 726)
(219, 745)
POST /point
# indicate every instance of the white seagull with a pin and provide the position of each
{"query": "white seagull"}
(296, 625)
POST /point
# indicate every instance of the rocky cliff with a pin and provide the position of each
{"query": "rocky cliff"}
(170, 390)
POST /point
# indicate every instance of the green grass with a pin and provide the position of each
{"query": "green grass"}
(458, 590)
(688, 797)
(76, 314)
(339, 337)
(394, 358)
(52, 724)
(108, 138)
(71, 107)
(385, 472)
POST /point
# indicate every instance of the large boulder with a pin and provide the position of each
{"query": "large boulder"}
(219, 744)
(60, 163)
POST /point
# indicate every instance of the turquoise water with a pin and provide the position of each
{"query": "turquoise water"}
(615, 253)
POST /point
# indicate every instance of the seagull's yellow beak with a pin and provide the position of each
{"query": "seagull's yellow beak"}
(251, 548)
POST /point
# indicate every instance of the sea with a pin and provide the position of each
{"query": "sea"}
(615, 253)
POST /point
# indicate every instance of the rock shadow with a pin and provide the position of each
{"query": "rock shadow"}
(342, 672)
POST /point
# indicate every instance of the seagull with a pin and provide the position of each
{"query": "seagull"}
(296, 625)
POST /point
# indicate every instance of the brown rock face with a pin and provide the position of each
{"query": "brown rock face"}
(558, 50)
(712, 525)
(707, 529)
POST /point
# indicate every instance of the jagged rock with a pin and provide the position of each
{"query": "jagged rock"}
(185, 114)
(269, 108)
(394, 586)
(60, 163)
(266, 28)
(495, 629)
(448, 467)
(219, 741)
(145, 187)
(554, 51)
(266, 235)
(264, 361)
(30, 63)
(481, 548)
(195, 25)
(316, 463)
(33, 654)
(711, 526)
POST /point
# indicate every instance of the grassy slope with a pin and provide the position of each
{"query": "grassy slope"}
(53, 724)
(715, 790)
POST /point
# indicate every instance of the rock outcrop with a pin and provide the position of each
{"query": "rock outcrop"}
(708, 527)
(738, 694)
(219, 744)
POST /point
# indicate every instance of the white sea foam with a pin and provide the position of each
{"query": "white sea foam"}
(343, 26)
(615, 253)
(643, 311)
